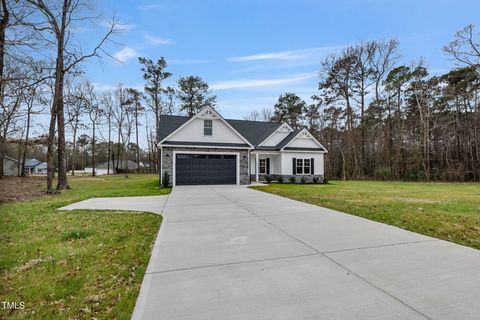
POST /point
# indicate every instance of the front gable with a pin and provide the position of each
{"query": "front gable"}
(275, 138)
(193, 130)
(304, 140)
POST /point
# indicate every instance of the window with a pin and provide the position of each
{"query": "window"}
(207, 127)
(306, 166)
(262, 166)
(299, 166)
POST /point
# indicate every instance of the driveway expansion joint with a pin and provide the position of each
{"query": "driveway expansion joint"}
(379, 246)
(333, 260)
(233, 263)
(335, 266)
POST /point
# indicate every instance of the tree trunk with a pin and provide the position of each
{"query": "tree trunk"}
(74, 147)
(58, 100)
(109, 142)
(50, 149)
(93, 149)
(25, 147)
(136, 136)
(118, 149)
(3, 26)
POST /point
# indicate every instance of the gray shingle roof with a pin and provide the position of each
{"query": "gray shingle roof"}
(210, 144)
(31, 163)
(168, 124)
(254, 131)
(288, 138)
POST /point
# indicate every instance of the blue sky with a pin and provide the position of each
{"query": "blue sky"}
(250, 52)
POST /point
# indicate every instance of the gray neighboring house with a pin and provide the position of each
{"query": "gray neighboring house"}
(34, 166)
(10, 166)
(208, 149)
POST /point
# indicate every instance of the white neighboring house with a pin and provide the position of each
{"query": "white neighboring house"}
(34, 166)
(102, 168)
(10, 166)
(208, 149)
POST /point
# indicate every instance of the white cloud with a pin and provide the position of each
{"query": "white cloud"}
(286, 55)
(119, 26)
(154, 40)
(103, 87)
(150, 6)
(125, 54)
(124, 27)
(254, 83)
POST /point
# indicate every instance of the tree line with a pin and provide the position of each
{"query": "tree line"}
(41, 73)
(380, 119)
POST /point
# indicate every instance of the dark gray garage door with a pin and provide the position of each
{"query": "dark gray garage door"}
(205, 169)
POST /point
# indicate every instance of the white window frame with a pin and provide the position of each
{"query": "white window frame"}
(305, 166)
(210, 127)
(299, 165)
(260, 166)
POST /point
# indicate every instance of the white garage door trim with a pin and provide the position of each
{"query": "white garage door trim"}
(204, 152)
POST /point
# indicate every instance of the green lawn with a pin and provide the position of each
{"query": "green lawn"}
(79, 264)
(449, 211)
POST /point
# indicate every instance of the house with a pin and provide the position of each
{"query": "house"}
(10, 166)
(123, 166)
(34, 166)
(208, 149)
(41, 168)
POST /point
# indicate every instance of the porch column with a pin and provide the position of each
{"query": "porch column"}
(256, 167)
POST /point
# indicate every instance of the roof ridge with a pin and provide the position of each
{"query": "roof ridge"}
(255, 121)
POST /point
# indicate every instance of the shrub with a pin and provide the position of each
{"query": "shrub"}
(303, 179)
(325, 180)
(315, 180)
(165, 179)
(268, 178)
(280, 179)
(292, 179)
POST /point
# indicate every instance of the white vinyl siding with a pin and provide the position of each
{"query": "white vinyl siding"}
(275, 139)
(303, 143)
(194, 131)
(275, 162)
(288, 156)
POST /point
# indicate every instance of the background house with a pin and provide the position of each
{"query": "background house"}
(34, 166)
(122, 166)
(10, 166)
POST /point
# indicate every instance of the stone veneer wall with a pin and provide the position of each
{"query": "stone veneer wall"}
(167, 161)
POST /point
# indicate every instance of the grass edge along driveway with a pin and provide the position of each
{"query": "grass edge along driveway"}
(79, 264)
(448, 211)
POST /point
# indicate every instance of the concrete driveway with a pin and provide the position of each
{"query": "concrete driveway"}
(227, 252)
(152, 204)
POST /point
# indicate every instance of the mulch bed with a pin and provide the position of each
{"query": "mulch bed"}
(20, 189)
